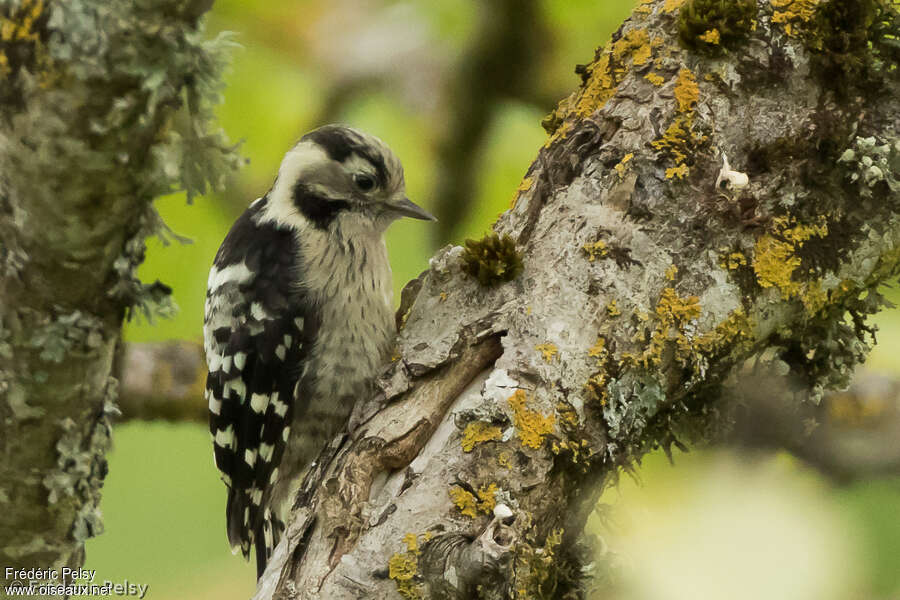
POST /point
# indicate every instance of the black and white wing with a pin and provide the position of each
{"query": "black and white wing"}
(253, 337)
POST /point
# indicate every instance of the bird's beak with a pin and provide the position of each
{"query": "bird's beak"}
(407, 208)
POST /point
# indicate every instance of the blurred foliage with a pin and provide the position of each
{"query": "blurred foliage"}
(163, 504)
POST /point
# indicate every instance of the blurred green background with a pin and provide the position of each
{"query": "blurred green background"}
(717, 525)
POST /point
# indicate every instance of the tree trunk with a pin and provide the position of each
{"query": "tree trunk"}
(653, 267)
(91, 132)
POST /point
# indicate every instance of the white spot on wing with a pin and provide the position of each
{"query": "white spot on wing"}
(225, 437)
(258, 312)
(258, 403)
(250, 457)
(280, 352)
(236, 273)
(240, 360)
(265, 452)
(215, 405)
(280, 407)
(236, 385)
(213, 361)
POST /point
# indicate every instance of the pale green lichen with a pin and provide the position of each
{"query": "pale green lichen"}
(73, 332)
(871, 162)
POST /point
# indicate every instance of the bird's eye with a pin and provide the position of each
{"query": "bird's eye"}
(365, 183)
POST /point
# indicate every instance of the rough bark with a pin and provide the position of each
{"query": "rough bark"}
(653, 269)
(104, 106)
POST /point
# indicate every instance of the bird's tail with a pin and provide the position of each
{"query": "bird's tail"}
(266, 536)
(251, 525)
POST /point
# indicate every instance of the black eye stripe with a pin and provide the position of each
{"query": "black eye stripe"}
(321, 211)
(340, 143)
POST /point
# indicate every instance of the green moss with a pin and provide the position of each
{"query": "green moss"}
(712, 26)
(492, 260)
(854, 43)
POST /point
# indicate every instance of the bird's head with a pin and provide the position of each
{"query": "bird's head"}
(335, 176)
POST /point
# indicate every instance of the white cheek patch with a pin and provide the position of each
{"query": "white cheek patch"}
(280, 207)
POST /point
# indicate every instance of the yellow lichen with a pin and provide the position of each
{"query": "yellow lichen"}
(20, 27)
(465, 501)
(503, 460)
(645, 7)
(679, 172)
(775, 257)
(793, 12)
(487, 498)
(596, 250)
(674, 314)
(596, 387)
(672, 309)
(731, 335)
(580, 452)
(621, 166)
(655, 78)
(815, 298)
(687, 92)
(531, 425)
(677, 140)
(548, 350)
(598, 350)
(600, 87)
(732, 261)
(443, 296)
(612, 309)
(711, 36)
(635, 42)
(470, 505)
(534, 568)
(671, 272)
(671, 6)
(479, 432)
(404, 566)
(524, 186)
(567, 414)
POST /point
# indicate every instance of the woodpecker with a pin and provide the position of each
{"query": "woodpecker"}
(298, 321)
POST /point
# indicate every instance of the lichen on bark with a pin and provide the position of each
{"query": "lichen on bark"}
(104, 107)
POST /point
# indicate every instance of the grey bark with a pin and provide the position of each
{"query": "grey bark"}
(104, 106)
(652, 273)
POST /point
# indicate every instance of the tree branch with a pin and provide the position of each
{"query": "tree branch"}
(654, 268)
(92, 132)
